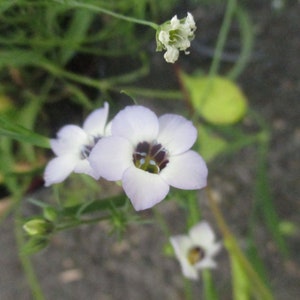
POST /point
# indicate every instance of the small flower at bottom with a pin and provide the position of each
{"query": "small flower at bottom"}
(73, 146)
(174, 36)
(149, 154)
(196, 250)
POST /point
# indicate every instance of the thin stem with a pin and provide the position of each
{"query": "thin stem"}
(25, 260)
(234, 249)
(222, 37)
(81, 222)
(108, 12)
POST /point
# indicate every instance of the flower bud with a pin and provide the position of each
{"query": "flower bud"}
(50, 214)
(38, 227)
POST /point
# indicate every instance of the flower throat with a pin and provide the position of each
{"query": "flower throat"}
(150, 157)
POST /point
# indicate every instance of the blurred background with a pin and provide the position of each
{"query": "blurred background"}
(59, 61)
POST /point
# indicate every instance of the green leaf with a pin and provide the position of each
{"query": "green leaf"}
(96, 205)
(218, 100)
(18, 132)
(76, 32)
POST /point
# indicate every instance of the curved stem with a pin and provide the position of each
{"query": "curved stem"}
(231, 5)
(247, 40)
(109, 12)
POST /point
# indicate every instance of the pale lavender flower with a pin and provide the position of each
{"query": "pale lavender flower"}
(149, 154)
(196, 250)
(73, 146)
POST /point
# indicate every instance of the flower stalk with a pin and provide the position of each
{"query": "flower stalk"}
(234, 250)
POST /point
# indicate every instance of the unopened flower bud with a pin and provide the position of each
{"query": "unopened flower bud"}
(38, 227)
(50, 214)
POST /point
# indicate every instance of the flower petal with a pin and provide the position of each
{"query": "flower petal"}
(95, 122)
(111, 156)
(59, 168)
(202, 234)
(70, 139)
(186, 171)
(136, 123)
(83, 167)
(176, 133)
(181, 245)
(143, 188)
(206, 263)
(171, 54)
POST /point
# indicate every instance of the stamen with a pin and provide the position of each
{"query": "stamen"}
(195, 255)
(150, 157)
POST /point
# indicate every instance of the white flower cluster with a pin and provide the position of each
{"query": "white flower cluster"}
(147, 153)
(174, 36)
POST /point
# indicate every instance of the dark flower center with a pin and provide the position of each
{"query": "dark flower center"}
(150, 157)
(86, 149)
(195, 255)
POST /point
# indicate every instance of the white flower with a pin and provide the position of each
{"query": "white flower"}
(174, 36)
(196, 250)
(73, 145)
(149, 155)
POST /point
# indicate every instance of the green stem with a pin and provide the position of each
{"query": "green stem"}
(231, 5)
(25, 261)
(108, 12)
(247, 40)
(81, 222)
(233, 249)
(194, 214)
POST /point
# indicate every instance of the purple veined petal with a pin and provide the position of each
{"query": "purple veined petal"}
(181, 245)
(202, 234)
(143, 188)
(176, 133)
(96, 121)
(136, 123)
(59, 168)
(70, 139)
(111, 156)
(187, 171)
(83, 167)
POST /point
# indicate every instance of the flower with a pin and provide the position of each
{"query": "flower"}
(174, 36)
(73, 146)
(149, 154)
(196, 250)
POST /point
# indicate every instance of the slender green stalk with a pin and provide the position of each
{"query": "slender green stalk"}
(25, 260)
(231, 5)
(233, 249)
(194, 214)
(247, 41)
(213, 71)
(107, 12)
(81, 222)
